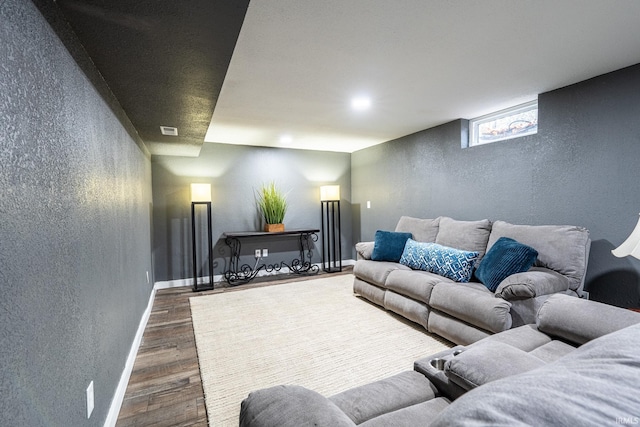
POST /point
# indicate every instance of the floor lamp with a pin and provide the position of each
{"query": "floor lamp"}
(201, 195)
(331, 236)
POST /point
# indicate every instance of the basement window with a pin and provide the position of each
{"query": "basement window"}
(509, 123)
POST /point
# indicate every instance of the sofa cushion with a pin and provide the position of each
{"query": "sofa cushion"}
(595, 385)
(506, 257)
(289, 406)
(423, 230)
(416, 415)
(533, 283)
(453, 329)
(366, 290)
(375, 272)
(562, 248)
(473, 303)
(389, 245)
(452, 263)
(525, 337)
(413, 283)
(408, 308)
(386, 395)
(552, 351)
(488, 361)
(465, 235)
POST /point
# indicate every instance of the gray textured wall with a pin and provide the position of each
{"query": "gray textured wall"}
(234, 172)
(75, 217)
(581, 169)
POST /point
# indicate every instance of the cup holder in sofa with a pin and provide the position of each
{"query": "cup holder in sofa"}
(433, 368)
(437, 363)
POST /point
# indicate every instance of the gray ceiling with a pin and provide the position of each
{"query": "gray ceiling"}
(230, 71)
(164, 60)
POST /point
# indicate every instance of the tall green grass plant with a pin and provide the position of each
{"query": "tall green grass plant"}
(272, 203)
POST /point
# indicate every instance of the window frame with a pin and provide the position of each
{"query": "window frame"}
(474, 124)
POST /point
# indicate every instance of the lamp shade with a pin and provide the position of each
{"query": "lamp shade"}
(631, 246)
(329, 193)
(200, 192)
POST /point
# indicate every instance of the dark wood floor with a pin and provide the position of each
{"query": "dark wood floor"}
(165, 388)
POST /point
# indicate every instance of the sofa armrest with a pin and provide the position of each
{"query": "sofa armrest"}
(364, 250)
(533, 283)
(578, 320)
(290, 406)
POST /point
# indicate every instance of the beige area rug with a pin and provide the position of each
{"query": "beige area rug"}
(313, 333)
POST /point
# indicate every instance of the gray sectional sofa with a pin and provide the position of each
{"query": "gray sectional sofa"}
(579, 364)
(467, 312)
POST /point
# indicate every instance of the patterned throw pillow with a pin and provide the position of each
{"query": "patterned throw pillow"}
(454, 264)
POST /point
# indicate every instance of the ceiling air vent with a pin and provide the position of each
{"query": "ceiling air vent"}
(168, 130)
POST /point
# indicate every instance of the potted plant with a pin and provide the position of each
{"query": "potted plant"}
(272, 204)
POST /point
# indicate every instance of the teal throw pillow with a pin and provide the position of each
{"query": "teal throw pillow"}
(506, 257)
(389, 245)
(452, 263)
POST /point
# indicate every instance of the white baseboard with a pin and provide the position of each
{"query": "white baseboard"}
(118, 398)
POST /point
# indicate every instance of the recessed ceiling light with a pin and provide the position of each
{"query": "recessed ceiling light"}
(168, 130)
(286, 139)
(361, 103)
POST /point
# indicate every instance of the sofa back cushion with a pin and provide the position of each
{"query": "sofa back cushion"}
(423, 230)
(578, 320)
(466, 235)
(562, 248)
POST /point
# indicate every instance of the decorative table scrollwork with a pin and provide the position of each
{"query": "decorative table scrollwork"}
(239, 274)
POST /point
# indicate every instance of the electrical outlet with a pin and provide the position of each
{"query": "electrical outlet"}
(257, 253)
(89, 399)
(368, 204)
(265, 253)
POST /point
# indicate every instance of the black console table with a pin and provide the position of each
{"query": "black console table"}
(238, 274)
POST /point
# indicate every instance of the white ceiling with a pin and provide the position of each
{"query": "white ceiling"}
(298, 63)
